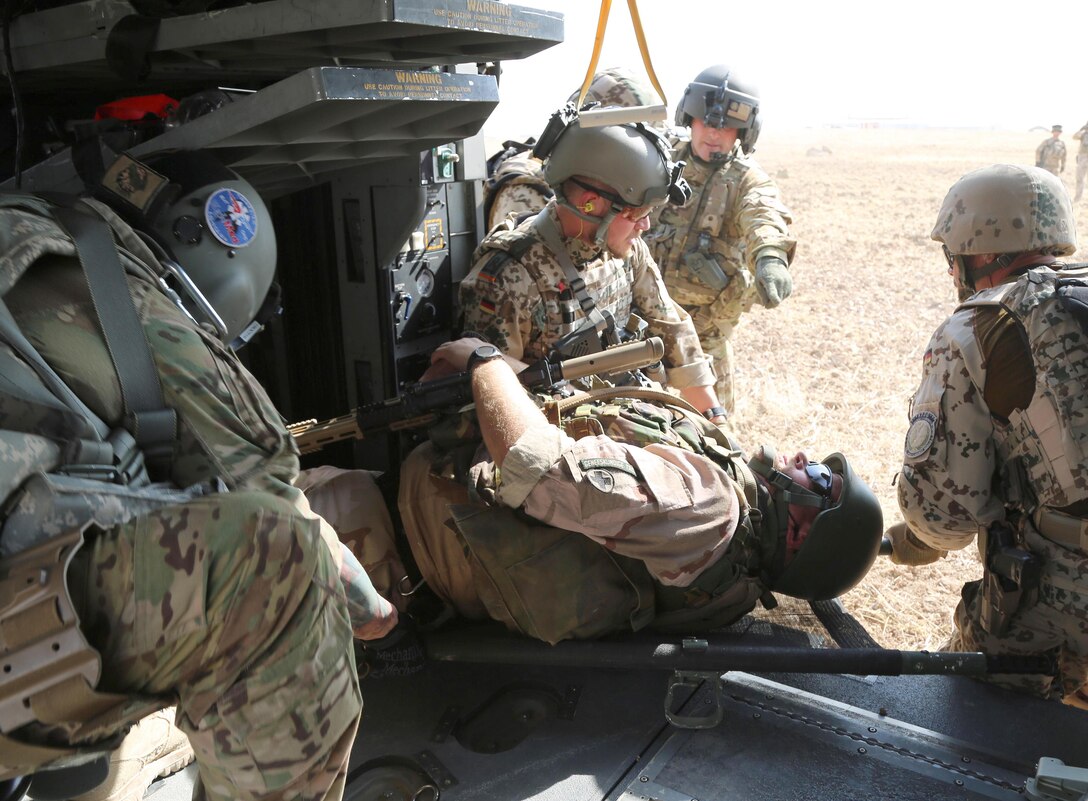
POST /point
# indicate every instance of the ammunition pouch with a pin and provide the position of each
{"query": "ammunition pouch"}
(49, 670)
(1010, 582)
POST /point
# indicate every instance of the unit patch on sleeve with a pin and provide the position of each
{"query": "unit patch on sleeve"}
(923, 428)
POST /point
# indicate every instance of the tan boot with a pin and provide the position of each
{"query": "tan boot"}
(155, 747)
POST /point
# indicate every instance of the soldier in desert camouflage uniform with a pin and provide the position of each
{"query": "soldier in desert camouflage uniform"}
(518, 187)
(582, 256)
(630, 514)
(997, 427)
(1082, 159)
(1050, 154)
(730, 246)
(239, 605)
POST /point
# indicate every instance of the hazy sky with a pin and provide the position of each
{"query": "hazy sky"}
(820, 62)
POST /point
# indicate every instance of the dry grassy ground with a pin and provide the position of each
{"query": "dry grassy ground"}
(833, 368)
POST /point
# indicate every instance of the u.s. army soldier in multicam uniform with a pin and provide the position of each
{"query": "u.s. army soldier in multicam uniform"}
(999, 425)
(239, 605)
(517, 185)
(1050, 154)
(623, 517)
(729, 247)
(583, 256)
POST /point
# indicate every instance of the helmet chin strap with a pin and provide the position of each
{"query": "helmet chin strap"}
(970, 277)
(786, 491)
(600, 237)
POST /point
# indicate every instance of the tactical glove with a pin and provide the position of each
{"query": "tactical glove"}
(907, 549)
(773, 281)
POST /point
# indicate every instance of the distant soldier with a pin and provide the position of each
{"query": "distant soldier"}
(730, 246)
(1082, 159)
(998, 440)
(516, 184)
(1050, 154)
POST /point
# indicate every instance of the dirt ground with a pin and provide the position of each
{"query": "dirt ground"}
(833, 368)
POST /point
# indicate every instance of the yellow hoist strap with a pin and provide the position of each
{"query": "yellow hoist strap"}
(598, 42)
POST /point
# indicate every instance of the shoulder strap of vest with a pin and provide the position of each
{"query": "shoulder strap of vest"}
(154, 426)
(549, 233)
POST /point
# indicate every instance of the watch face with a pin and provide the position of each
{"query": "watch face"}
(484, 353)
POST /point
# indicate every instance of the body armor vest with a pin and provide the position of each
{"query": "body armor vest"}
(552, 584)
(1048, 441)
(608, 281)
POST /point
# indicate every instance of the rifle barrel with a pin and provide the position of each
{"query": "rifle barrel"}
(632, 356)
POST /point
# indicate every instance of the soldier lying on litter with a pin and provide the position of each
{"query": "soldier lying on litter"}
(630, 513)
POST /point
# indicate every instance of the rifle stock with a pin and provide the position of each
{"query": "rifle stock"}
(420, 403)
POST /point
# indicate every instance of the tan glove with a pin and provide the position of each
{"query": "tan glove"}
(907, 549)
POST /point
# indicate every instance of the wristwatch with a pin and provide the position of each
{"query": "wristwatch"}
(484, 353)
(714, 411)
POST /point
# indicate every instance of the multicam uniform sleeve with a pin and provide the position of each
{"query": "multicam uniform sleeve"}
(496, 299)
(761, 218)
(672, 509)
(949, 462)
(684, 360)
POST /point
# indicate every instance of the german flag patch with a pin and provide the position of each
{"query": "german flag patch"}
(487, 306)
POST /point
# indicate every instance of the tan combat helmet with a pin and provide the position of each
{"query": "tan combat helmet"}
(617, 86)
(1008, 210)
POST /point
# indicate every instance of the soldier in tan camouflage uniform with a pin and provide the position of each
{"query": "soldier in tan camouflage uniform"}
(624, 523)
(1082, 159)
(997, 427)
(1050, 154)
(583, 257)
(517, 185)
(240, 605)
(730, 246)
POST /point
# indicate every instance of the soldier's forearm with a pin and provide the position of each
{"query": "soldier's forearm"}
(503, 410)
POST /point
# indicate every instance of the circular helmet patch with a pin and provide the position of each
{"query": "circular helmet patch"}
(923, 428)
(231, 217)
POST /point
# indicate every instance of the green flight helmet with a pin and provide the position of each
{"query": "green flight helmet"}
(722, 100)
(1005, 209)
(632, 161)
(211, 228)
(843, 540)
(628, 164)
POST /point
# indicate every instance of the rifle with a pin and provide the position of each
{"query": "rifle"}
(419, 404)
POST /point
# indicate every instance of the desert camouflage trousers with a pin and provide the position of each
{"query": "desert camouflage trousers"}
(232, 605)
(1082, 171)
(351, 503)
(1058, 623)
